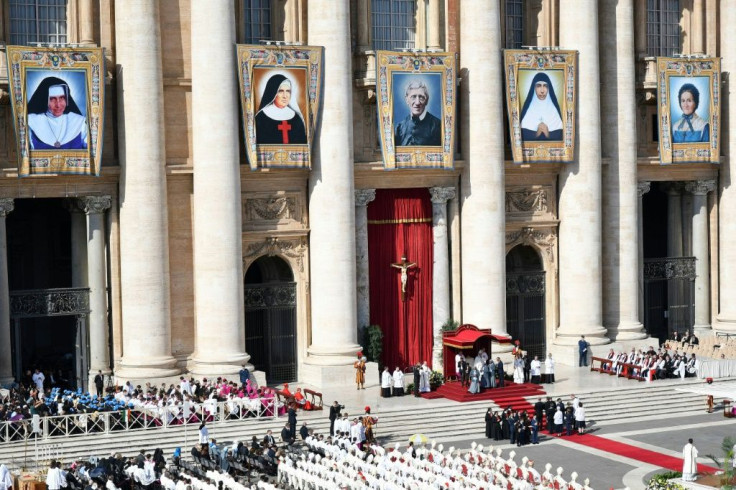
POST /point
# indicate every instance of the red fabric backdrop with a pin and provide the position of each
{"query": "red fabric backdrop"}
(400, 223)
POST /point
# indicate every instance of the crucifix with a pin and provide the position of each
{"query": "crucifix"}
(404, 266)
(284, 127)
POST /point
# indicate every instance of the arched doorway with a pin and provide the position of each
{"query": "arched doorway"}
(270, 319)
(525, 289)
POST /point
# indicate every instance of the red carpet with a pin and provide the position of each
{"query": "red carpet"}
(511, 394)
(633, 452)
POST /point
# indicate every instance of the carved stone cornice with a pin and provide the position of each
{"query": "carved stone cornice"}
(7, 204)
(700, 187)
(643, 187)
(440, 195)
(364, 196)
(273, 246)
(270, 208)
(526, 201)
(529, 236)
(94, 204)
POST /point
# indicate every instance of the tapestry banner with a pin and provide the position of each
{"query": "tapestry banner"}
(416, 109)
(689, 110)
(58, 101)
(280, 95)
(540, 98)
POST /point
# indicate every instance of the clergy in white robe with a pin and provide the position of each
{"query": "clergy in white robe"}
(689, 461)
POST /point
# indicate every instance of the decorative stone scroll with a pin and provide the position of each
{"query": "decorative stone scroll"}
(700, 187)
(526, 201)
(529, 236)
(94, 204)
(6, 206)
(271, 209)
(271, 246)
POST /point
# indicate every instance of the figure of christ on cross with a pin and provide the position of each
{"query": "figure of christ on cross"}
(404, 267)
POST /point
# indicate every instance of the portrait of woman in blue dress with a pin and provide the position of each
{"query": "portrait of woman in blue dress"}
(690, 128)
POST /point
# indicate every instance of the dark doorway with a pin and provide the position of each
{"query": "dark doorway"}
(525, 291)
(270, 319)
(39, 259)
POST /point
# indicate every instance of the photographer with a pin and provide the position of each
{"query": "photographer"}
(335, 410)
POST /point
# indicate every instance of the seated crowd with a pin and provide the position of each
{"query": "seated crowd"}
(714, 347)
(651, 364)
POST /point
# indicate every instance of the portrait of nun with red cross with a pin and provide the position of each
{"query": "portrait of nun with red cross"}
(279, 120)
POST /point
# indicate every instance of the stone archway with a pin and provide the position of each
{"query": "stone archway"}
(525, 299)
(270, 318)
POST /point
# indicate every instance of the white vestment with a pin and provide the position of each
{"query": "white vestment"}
(689, 462)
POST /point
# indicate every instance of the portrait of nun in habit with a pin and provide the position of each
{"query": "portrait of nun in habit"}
(278, 120)
(54, 119)
(541, 118)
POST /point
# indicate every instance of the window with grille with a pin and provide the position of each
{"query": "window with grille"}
(663, 27)
(514, 24)
(393, 24)
(38, 21)
(257, 15)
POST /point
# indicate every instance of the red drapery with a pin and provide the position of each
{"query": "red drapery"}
(400, 223)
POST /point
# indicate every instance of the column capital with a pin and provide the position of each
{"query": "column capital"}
(94, 204)
(642, 187)
(674, 188)
(440, 195)
(700, 187)
(364, 196)
(7, 204)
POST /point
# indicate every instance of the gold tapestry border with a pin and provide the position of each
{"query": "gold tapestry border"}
(398, 221)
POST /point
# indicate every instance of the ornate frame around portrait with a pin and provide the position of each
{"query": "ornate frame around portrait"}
(251, 58)
(688, 152)
(542, 61)
(390, 63)
(56, 161)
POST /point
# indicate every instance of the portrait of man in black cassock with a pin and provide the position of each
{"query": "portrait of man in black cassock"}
(419, 127)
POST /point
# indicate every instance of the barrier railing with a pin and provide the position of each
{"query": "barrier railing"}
(58, 426)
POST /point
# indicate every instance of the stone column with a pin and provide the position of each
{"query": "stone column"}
(362, 198)
(365, 25)
(697, 27)
(483, 215)
(674, 220)
(621, 264)
(99, 345)
(687, 225)
(440, 270)
(218, 228)
(580, 191)
(726, 319)
(6, 352)
(640, 16)
(79, 243)
(144, 236)
(700, 189)
(434, 26)
(86, 22)
(332, 206)
(642, 188)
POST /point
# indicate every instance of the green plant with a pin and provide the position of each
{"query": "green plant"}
(727, 478)
(373, 343)
(410, 389)
(661, 481)
(436, 378)
(450, 325)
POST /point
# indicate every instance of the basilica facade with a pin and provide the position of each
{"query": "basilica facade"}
(181, 257)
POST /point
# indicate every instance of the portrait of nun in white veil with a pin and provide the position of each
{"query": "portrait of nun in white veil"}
(278, 120)
(541, 118)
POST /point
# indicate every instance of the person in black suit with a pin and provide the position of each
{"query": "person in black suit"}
(304, 430)
(286, 433)
(501, 374)
(539, 410)
(292, 420)
(268, 439)
(99, 383)
(464, 372)
(549, 410)
(417, 372)
(335, 409)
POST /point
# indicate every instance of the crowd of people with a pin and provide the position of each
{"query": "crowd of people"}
(663, 363)
(482, 372)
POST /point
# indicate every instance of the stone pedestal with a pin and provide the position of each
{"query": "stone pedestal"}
(580, 188)
(362, 198)
(700, 190)
(440, 270)
(218, 235)
(99, 345)
(144, 237)
(6, 353)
